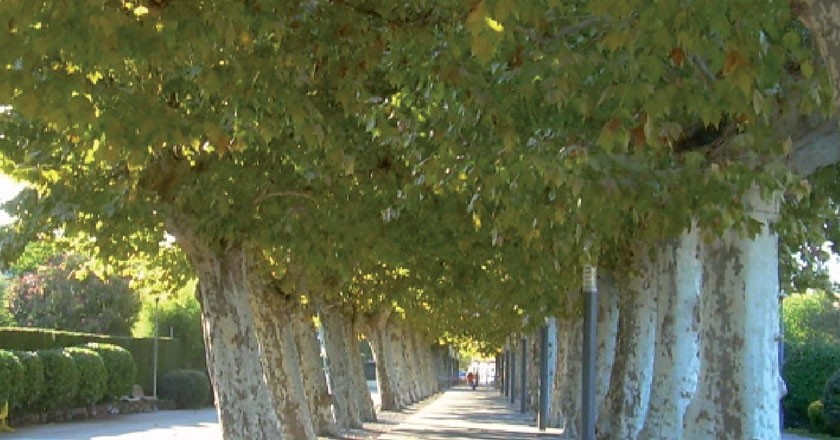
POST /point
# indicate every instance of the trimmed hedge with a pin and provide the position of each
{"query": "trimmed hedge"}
(170, 353)
(93, 377)
(120, 367)
(33, 380)
(187, 388)
(61, 380)
(807, 367)
(11, 377)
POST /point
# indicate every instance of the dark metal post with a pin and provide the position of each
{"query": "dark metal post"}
(542, 414)
(781, 352)
(590, 320)
(523, 382)
(512, 371)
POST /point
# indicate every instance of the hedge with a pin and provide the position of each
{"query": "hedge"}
(61, 380)
(120, 367)
(33, 380)
(189, 389)
(170, 353)
(807, 367)
(93, 377)
(11, 378)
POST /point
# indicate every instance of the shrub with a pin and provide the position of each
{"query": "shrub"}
(61, 380)
(56, 296)
(93, 377)
(831, 404)
(807, 366)
(33, 380)
(11, 377)
(816, 417)
(187, 388)
(120, 367)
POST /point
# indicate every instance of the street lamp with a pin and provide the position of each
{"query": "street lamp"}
(155, 351)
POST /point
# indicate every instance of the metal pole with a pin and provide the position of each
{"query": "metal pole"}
(542, 414)
(590, 320)
(512, 371)
(155, 351)
(507, 372)
(523, 382)
(781, 353)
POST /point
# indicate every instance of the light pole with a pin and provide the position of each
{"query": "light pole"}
(590, 318)
(155, 351)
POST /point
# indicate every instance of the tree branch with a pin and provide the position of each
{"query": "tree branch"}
(819, 148)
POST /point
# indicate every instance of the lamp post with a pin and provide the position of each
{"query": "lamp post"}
(590, 318)
(155, 351)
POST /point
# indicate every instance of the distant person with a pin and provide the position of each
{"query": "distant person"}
(475, 380)
(471, 379)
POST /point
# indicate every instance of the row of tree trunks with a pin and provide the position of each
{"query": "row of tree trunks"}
(688, 347)
(405, 365)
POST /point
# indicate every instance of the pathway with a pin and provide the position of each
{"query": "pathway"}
(461, 413)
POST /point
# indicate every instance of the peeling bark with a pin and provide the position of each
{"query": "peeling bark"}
(280, 357)
(676, 362)
(245, 407)
(361, 402)
(338, 367)
(738, 388)
(607, 333)
(383, 353)
(312, 372)
(569, 393)
(626, 401)
(556, 417)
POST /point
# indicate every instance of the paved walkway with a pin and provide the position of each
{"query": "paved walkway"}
(461, 413)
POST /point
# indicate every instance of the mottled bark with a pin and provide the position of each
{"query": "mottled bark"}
(738, 388)
(533, 380)
(383, 353)
(564, 404)
(280, 357)
(607, 333)
(312, 372)
(626, 402)
(361, 402)
(246, 410)
(676, 362)
(338, 367)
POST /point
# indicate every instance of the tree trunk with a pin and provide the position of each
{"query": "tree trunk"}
(361, 402)
(338, 367)
(738, 389)
(246, 410)
(569, 394)
(281, 360)
(556, 417)
(534, 349)
(607, 333)
(675, 368)
(627, 399)
(312, 371)
(383, 355)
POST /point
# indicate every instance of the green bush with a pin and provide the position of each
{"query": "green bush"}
(120, 367)
(11, 377)
(61, 380)
(187, 388)
(807, 367)
(816, 417)
(33, 380)
(831, 404)
(93, 377)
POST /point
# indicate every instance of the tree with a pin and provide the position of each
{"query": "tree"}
(256, 128)
(62, 296)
